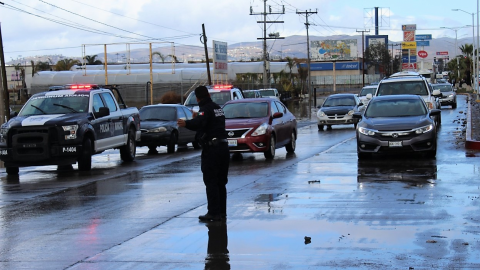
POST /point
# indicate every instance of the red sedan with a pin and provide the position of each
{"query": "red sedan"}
(259, 125)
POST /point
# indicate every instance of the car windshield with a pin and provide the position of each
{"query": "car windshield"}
(218, 97)
(246, 110)
(249, 94)
(395, 108)
(443, 88)
(339, 101)
(158, 113)
(366, 91)
(402, 88)
(267, 93)
(55, 104)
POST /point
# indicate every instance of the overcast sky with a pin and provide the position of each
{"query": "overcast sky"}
(41, 27)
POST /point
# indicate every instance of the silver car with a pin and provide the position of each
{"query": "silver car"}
(364, 93)
(338, 109)
(449, 95)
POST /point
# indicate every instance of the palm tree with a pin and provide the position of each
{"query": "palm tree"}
(173, 57)
(91, 60)
(66, 64)
(303, 75)
(467, 51)
(291, 63)
(162, 57)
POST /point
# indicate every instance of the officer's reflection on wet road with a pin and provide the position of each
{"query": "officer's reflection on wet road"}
(217, 252)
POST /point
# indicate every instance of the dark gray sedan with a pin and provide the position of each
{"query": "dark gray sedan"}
(395, 124)
(158, 124)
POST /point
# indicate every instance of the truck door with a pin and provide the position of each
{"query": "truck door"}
(118, 133)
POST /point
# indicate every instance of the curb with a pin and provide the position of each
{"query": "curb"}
(469, 143)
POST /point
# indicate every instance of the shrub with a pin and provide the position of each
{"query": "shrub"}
(171, 98)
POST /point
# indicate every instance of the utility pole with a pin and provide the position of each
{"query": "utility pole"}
(363, 54)
(5, 105)
(203, 39)
(266, 65)
(394, 44)
(309, 83)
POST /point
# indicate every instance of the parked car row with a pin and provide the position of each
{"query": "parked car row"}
(252, 124)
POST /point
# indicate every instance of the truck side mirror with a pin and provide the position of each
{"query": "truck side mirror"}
(102, 111)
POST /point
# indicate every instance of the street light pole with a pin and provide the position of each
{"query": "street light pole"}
(456, 54)
(474, 58)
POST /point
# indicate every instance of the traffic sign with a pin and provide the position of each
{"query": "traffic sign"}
(422, 54)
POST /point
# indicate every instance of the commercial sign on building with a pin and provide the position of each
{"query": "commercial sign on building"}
(408, 35)
(412, 66)
(326, 50)
(409, 45)
(423, 37)
(409, 27)
(423, 43)
(442, 53)
(220, 60)
(329, 66)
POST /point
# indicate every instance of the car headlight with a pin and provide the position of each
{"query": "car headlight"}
(158, 129)
(261, 130)
(70, 132)
(366, 131)
(350, 113)
(3, 134)
(320, 114)
(452, 95)
(424, 129)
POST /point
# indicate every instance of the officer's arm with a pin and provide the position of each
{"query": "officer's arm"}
(198, 122)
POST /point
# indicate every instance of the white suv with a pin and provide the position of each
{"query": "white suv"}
(410, 83)
(220, 94)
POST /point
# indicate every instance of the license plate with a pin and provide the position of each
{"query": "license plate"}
(232, 142)
(395, 144)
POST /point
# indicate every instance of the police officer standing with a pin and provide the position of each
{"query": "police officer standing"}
(209, 125)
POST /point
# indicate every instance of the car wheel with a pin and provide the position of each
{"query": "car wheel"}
(12, 170)
(439, 122)
(292, 144)
(329, 127)
(355, 125)
(270, 153)
(128, 151)
(320, 127)
(196, 145)
(454, 105)
(85, 159)
(171, 144)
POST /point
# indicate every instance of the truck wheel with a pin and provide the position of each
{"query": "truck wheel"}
(85, 159)
(171, 143)
(12, 170)
(128, 151)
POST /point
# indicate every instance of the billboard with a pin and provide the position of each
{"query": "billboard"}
(220, 61)
(371, 40)
(326, 50)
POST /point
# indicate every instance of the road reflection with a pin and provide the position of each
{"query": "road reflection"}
(217, 251)
(405, 169)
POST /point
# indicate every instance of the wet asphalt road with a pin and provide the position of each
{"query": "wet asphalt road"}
(385, 213)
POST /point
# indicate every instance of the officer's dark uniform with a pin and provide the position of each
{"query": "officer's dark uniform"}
(210, 127)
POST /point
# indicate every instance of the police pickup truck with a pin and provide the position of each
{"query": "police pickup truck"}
(67, 126)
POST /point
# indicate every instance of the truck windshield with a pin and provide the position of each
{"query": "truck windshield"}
(402, 88)
(63, 104)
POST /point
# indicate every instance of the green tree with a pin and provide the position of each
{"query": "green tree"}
(377, 55)
(291, 63)
(66, 64)
(90, 60)
(467, 52)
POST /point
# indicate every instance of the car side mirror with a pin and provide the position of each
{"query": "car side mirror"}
(277, 115)
(434, 112)
(369, 96)
(360, 104)
(102, 112)
(13, 114)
